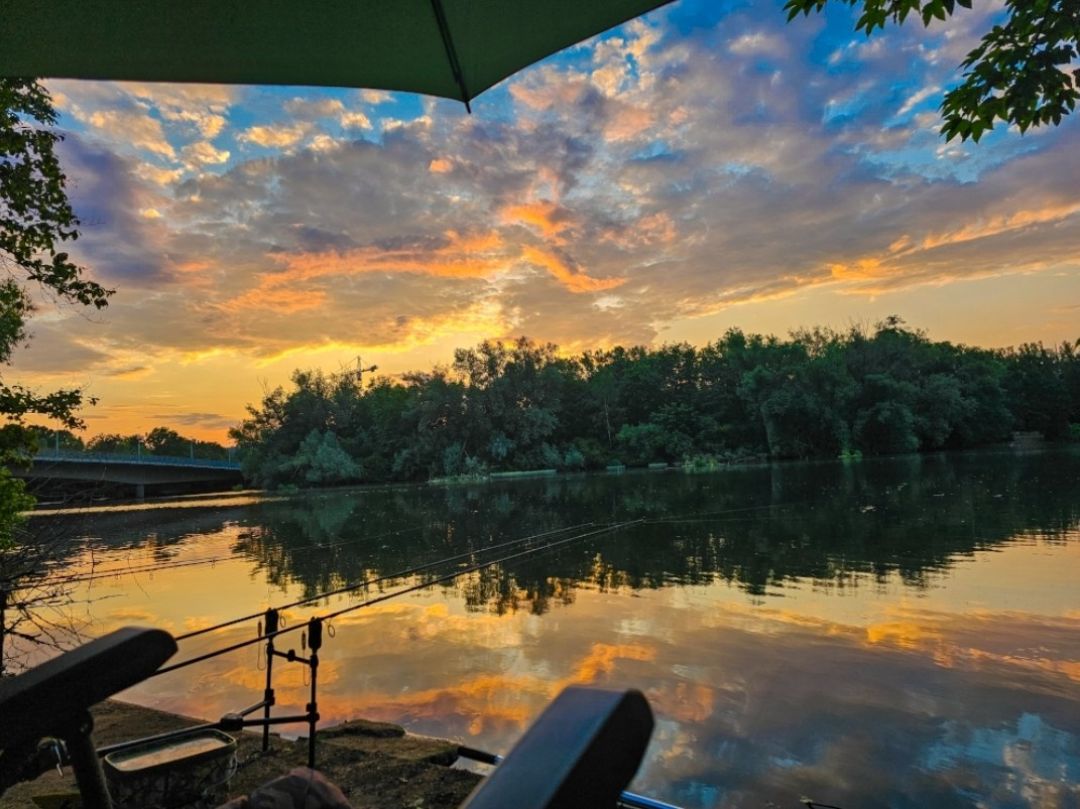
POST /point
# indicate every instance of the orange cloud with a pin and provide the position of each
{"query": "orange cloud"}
(440, 165)
(286, 301)
(203, 153)
(601, 661)
(483, 319)
(997, 225)
(549, 219)
(863, 269)
(906, 634)
(560, 269)
(461, 255)
(195, 273)
(876, 268)
(290, 681)
(494, 699)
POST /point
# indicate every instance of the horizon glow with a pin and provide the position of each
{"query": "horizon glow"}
(698, 169)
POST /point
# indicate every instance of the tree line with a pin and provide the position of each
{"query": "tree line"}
(522, 405)
(158, 441)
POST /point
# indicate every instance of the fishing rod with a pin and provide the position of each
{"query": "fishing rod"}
(379, 579)
(272, 635)
(95, 574)
(311, 642)
(451, 576)
(153, 567)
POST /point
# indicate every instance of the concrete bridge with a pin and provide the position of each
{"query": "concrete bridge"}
(138, 471)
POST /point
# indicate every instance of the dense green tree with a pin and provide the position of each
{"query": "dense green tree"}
(161, 441)
(63, 440)
(521, 405)
(320, 460)
(114, 444)
(434, 418)
(641, 444)
(513, 400)
(1038, 381)
(164, 441)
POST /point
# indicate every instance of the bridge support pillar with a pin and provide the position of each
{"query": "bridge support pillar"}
(140, 491)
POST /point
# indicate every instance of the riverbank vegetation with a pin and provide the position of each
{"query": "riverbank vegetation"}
(523, 405)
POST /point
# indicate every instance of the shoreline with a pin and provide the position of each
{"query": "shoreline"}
(249, 496)
(376, 764)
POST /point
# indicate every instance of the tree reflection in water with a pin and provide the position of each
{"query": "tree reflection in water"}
(899, 632)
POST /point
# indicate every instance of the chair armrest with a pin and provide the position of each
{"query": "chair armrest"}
(581, 752)
(48, 698)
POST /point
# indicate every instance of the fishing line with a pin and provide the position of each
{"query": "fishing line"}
(691, 520)
(475, 568)
(387, 577)
(387, 596)
(150, 567)
(701, 515)
(428, 565)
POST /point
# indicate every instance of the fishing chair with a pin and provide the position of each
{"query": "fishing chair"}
(581, 752)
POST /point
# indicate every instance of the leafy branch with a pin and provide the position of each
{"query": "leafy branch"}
(1018, 74)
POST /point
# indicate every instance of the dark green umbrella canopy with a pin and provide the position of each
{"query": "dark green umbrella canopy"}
(450, 48)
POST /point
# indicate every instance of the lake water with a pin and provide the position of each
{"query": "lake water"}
(900, 632)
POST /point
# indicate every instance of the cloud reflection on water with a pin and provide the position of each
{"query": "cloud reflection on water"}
(925, 652)
(932, 708)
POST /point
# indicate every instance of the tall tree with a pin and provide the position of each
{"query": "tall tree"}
(36, 220)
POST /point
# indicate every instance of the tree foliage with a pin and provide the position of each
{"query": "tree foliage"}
(522, 405)
(36, 220)
(1019, 73)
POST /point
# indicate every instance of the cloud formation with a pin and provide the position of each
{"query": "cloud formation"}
(682, 165)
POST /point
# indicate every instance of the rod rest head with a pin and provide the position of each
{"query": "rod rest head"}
(580, 754)
(48, 699)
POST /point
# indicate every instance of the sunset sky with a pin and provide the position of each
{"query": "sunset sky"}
(707, 166)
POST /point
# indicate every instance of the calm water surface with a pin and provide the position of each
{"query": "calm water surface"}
(889, 633)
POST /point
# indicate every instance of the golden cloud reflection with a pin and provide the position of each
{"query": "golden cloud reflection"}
(431, 661)
(843, 688)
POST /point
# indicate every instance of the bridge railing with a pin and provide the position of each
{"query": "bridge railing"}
(143, 458)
